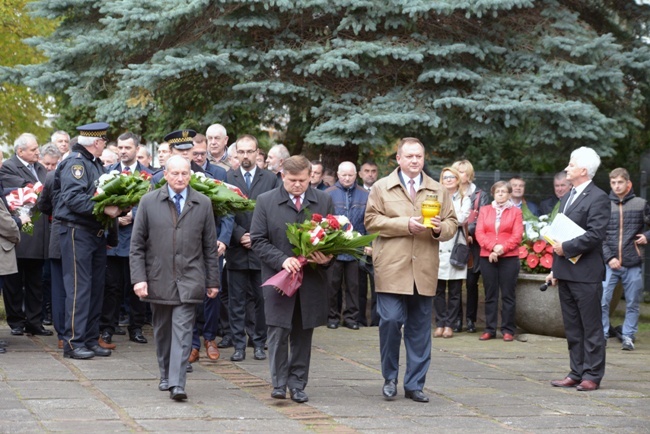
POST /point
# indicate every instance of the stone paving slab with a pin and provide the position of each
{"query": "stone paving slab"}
(492, 387)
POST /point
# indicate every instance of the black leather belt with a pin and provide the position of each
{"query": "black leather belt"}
(98, 233)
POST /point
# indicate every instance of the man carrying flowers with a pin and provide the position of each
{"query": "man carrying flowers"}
(83, 244)
(290, 320)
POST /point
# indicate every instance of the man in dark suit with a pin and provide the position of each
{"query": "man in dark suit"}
(290, 320)
(174, 276)
(23, 291)
(244, 270)
(580, 284)
(561, 186)
(118, 282)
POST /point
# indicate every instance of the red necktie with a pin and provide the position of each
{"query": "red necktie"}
(296, 200)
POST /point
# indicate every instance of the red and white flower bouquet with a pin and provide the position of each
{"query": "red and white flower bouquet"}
(22, 201)
(329, 235)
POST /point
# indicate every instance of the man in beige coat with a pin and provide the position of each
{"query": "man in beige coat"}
(405, 258)
(9, 237)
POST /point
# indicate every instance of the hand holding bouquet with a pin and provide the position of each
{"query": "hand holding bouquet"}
(22, 202)
(123, 190)
(330, 235)
(225, 198)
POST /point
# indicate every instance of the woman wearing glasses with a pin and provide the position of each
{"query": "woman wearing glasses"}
(446, 302)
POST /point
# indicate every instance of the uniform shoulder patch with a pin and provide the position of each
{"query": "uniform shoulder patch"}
(77, 171)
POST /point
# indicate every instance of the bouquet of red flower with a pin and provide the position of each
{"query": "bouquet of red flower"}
(535, 253)
(22, 201)
(225, 198)
(123, 190)
(332, 235)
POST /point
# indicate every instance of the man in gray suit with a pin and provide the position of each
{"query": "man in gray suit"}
(173, 260)
(290, 320)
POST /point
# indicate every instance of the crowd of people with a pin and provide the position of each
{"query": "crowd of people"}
(171, 263)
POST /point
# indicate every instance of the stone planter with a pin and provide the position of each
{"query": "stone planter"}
(536, 311)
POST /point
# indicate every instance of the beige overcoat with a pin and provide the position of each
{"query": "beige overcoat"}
(400, 259)
(9, 237)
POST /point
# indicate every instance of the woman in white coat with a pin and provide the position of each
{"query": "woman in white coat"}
(446, 302)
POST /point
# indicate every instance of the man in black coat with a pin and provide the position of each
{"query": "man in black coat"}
(581, 283)
(25, 288)
(244, 270)
(290, 320)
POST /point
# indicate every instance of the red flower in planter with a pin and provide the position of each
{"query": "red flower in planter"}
(539, 246)
(523, 252)
(546, 261)
(532, 260)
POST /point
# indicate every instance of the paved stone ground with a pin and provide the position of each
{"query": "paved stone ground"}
(474, 386)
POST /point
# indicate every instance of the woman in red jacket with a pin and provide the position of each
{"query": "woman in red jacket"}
(498, 231)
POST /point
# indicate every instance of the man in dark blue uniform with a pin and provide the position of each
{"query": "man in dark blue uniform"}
(83, 244)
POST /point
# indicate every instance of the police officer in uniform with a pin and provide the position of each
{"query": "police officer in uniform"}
(83, 244)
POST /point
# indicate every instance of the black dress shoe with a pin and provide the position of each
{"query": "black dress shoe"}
(226, 342)
(163, 386)
(238, 356)
(298, 395)
(79, 353)
(17, 331)
(458, 326)
(416, 395)
(352, 325)
(39, 331)
(177, 393)
(3, 350)
(390, 389)
(332, 325)
(106, 336)
(279, 392)
(259, 354)
(99, 351)
(471, 327)
(119, 331)
(136, 336)
(189, 368)
(3, 343)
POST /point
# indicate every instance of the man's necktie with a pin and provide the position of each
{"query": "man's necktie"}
(247, 177)
(126, 169)
(296, 200)
(412, 190)
(568, 202)
(33, 170)
(177, 202)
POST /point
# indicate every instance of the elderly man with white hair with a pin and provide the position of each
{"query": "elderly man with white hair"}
(350, 200)
(581, 283)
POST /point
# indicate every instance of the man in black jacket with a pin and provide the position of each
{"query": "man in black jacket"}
(625, 233)
(23, 291)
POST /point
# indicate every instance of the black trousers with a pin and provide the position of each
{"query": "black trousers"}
(446, 302)
(338, 272)
(83, 256)
(367, 281)
(24, 288)
(245, 286)
(118, 275)
(582, 315)
(500, 277)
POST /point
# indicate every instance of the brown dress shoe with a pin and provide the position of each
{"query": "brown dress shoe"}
(447, 333)
(211, 350)
(567, 382)
(106, 345)
(194, 355)
(587, 386)
(438, 332)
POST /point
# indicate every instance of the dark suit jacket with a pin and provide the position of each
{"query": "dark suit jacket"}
(13, 175)
(237, 256)
(216, 171)
(591, 211)
(273, 211)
